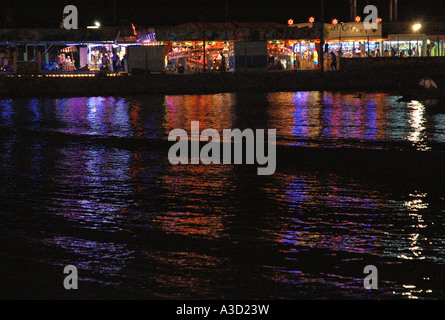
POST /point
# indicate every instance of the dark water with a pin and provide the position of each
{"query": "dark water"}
(80, 186)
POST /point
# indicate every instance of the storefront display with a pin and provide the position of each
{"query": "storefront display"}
(408, 45)
(436, 46)
(189, 56)
(106, 57)
(292, 54)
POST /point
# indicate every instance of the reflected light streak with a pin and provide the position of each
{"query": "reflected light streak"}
(308, 227)
(414, 206)
(7, 112)
(417, 121)
(212, 111)
(328, 119)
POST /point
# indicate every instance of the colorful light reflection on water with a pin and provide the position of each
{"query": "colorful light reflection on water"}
(130, 220)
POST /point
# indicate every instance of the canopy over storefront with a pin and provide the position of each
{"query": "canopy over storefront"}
(352, 31)
(261, 31)
(407, 37)
(60, 36)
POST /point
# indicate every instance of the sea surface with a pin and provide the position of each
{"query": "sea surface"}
(87, 182)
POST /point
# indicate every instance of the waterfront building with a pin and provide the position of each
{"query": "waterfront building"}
(197, 47)
(60, 51)
(215, 47)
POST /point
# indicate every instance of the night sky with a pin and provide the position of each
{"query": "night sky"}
(48, 13)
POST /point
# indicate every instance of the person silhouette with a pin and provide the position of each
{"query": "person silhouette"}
(334, 61)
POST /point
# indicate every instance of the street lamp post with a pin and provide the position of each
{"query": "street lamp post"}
(416, 29)
(322, 37)
(341, 44)
(340, 55)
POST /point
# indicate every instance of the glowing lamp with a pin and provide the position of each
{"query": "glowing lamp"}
(379, 20)
(96, 25)
(417, 27)
(311, 20)
(290, 22)
(358, 19)
(335, 22)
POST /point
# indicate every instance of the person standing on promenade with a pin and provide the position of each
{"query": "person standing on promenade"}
(334, 61)
(377, 52)
(223, 63)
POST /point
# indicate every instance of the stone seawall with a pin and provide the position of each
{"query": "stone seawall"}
(208, 83)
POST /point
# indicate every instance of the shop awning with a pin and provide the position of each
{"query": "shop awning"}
(235, 31)
(352, 31)
(58, 36)
(407, 37)
(356, 40)
(69, 49)
(440, 37)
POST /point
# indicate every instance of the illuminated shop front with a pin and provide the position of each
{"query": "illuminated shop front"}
(215, 47)
(354, 40)
(357, 48)
(184, 51)
(65, 52)
(292, 54)
(436, 45)
(194, 56)
(406, 45)
(105, 57)
(192, 47)
(67, 57)
(86, 57)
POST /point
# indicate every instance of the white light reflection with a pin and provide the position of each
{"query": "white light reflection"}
(412, 292)
(414, 206)
(417, 121)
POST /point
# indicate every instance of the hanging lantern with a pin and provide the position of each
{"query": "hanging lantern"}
(311, 20)
(335, 22)
(290, 22)
(357, 19)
